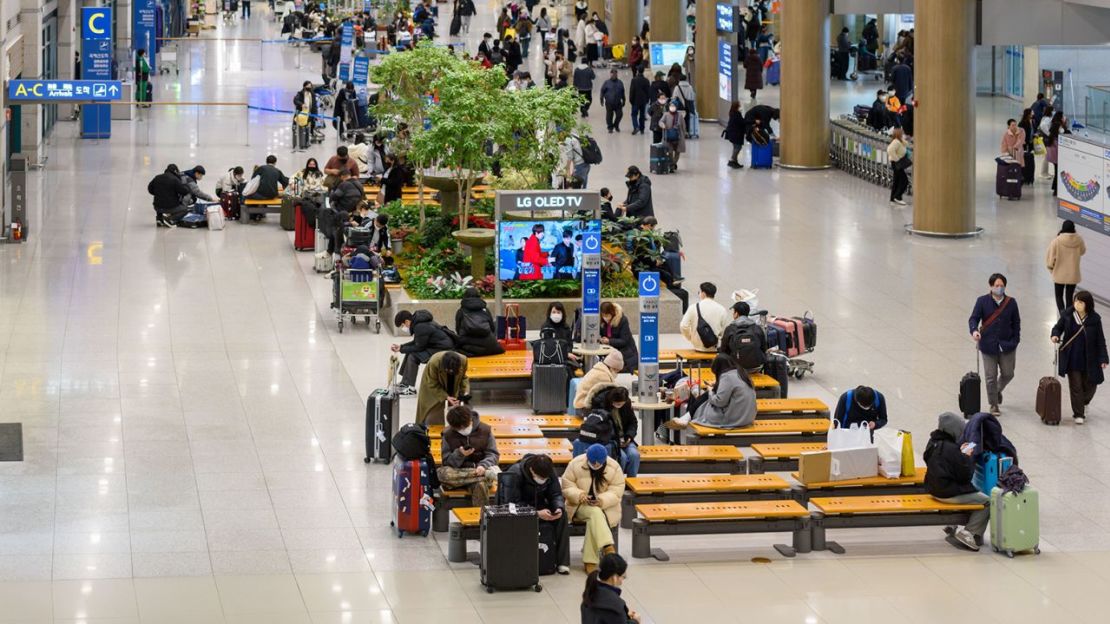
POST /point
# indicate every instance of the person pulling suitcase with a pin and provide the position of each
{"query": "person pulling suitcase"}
(1083, 356)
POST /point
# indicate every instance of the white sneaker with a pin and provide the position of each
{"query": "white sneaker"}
(898, 201)
(563, 569)
(965, 537)
(404, 390)
(1079, 420)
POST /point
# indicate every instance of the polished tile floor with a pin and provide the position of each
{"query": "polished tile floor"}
(194, 423)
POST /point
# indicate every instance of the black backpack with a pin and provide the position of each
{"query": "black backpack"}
(743, 344)
(412, 442)
(591, 152)
(596, 428)
(474, 325)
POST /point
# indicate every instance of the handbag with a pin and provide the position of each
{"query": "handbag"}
(848, 437)
(706, 334)
(903, 163)
(511, 329)
(1038, 146)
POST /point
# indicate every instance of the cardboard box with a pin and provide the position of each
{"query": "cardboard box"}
(839, 465)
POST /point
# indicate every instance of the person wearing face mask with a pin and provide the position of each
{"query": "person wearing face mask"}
(486, 46)
(602, 375)
(673, 126)
(619, 436)
(863, 406)
(616, 333)
(656, 112)
(1082, 357)
(469, 455)
(305, 101)
(995, 324)
(532, 481)
(341, 161)
(728, 404)
(949, 473)
(308, 182)
(428, 339)
(593, 485)
(637, 203)
(601, 601)
(612, 96)
(555, 326)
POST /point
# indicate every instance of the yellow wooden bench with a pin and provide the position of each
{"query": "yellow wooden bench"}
(499, 431)
(853, 512)
(658, 489)
(539, 445)
(781, 456)
(466, 525)
(791, 408)
(674, 459)
(260, 206)
(552, 426)
(511, 370)
(758, 516)
(761, 431)
(512, 454)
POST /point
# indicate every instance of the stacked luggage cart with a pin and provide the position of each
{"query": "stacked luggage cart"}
(357, 294)
(861, 151)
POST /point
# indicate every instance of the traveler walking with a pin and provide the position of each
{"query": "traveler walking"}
(1083, 356)
(1062, 260)
(734, 133)
(612, 96)
(995, 324)
(639, 96)
(899, 162)
(753, 73)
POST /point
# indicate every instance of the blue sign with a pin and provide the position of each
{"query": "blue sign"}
(649, 321)
(96, 66)
(64, 90)
(591, 275)
(362, 77)
(649, 284)
(725, 19)
(591, 243)
(144, 28)
(346, 49)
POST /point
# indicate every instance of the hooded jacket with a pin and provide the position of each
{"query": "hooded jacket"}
(607, 608)
(620, 337)
(595, 380)
(622, 421)
(516, 485)
(1062, 258)
(638, 202)
(578, 478)
(188, 178)
(427, 336)
(475, 343)
(168, 190)
(346, 195)
(948, 470)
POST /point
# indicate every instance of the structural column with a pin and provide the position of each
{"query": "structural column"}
(805, 84)
(705, 77)
(944, 169)
(668, 20)
(625, 20)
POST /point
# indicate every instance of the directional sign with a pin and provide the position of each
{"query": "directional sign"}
(346, 49)
(96, 23)
(63, 90)
(144, 25)
(96, 67)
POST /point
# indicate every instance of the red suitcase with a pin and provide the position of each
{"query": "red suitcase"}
(304, 236)
(412, 497)
(795, 335)
(229, 201)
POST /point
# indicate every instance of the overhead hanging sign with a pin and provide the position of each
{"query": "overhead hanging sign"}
(63, 90)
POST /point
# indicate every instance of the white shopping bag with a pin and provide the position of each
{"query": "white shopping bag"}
(215, 216)
(889, 443)
(851, 437)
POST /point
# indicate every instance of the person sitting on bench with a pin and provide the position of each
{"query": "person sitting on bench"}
(532, 481)
(469, 455)
(948, 477)
(475, 326)
(602, 602)
(744, 339)
(729, 404)
(270, 182)
(593, 485)
(444, 381)
(613, 402)
(861, 406)
(428, 338)
(601, 376)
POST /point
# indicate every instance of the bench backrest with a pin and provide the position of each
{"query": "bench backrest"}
(747, 510)
(705, 483)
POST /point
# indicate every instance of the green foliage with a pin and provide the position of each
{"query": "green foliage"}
(436, 230)
(400, 215)
(533, 124)
(407, 78)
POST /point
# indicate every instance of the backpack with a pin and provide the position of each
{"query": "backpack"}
(549, 350)
(495, 56)
(743, 344)
(591, 152)
(473, 325)
(412, 442)
(706, 334)
(596, 428)
(451, 335)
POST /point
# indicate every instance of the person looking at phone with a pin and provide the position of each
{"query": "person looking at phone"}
(593, 485)
(444, 383)
(532, 481)
(623, 424)
(948, 478)
(863, 406)
(469, 455)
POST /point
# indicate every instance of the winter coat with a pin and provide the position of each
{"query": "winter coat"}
(730, 406)
(623, 423)
(480, 439)
(188, 177)
(639, 91)
(435, 387)
(1013, 144)
(1088, 352)
(269, 177)
(307, 183)
(612, 93)
(657, 87)
(595, 380)
(428, 336)
(635, 55)
(985, 432)
(948, 470)
(607, 608)
(1062, 258)
(584, 78)
(473, 343)
(620, 338)
(229, 182)
(560, 330)
(753, 73)
(735, 130)
(516, 485)
(346, 196)
(901, 76)
(577, 480)
(638, 202)
(714, 313)
(676, 119)
(1004, 334)
(168, 191)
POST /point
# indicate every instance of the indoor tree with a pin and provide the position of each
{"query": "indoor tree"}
(535, 123)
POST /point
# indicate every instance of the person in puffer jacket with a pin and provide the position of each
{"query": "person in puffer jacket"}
(950, 468)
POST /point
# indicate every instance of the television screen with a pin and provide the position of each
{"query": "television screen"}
(542, 250)
(725, 18)
(667, 54)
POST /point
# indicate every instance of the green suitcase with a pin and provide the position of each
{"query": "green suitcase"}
(288, 213)
(1015, 521)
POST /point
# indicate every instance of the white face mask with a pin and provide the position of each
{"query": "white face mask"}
(673, 109)
(538, 480)
(556, 317)
(467, 431)
(406, 330)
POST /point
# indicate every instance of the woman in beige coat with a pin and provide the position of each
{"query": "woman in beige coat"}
(602, 375)
(1062, 260)
(593, 485)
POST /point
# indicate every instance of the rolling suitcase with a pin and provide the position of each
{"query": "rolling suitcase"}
(229, 202)
(809, 331)
(549, 388)
(988, 468)
(1008, 179)
(763, 156)
(412, 500)
(1049, 395)
(304, 235)
(509, 536)
(778, 366)
(1030, 169)
(548, 550)
(383, 411)
(970, 387)
(662, 159)
(288, 209)
(1015, 521)
(215, 215)
(795, 341)
(774, 73)
(322, 260)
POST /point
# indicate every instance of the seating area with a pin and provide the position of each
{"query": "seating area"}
(765, 430)
(465, 526)
(251, 207)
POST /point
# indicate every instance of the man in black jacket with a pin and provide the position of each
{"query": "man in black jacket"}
(169, 193)
(638, 202)
(639, 95)
(612, 96)
(269, 179)
(879, 118)
(532, 481)
(659, 85)
(346, 195)
(948, 477)
(428, 338)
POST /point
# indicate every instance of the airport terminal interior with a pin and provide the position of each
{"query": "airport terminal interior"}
(193, 421)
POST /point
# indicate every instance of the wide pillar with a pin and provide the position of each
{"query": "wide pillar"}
(944, 169)
(593, 6)
(625, 20)
(668, 20)
(805, 84)
(705, 78)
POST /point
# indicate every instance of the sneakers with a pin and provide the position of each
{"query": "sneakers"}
(164, 221)
(898, 202)
(995, 411)
(564, 570)
(404, 390)
(1079, 420)
(965, 537)
(735, 165)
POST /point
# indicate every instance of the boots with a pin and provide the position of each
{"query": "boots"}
(608, 550)
(735, 165)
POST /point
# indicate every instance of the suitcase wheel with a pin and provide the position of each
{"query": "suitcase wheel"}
(366, 460)
(538, 588)
(489, 590)
(1036, 550)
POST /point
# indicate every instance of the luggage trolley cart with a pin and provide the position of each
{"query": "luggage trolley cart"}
(357, 293)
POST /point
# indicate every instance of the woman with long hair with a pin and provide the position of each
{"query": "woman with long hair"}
(1062, 261)
(1083, 357)
(728, 404)
(601, 601)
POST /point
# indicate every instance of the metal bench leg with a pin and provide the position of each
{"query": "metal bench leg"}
(641, 542)
(819, 542)
(456, 544)
(628, 512)
(440, 518)
(755, 465)
(803, 537)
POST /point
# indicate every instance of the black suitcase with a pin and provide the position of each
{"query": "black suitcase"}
(778, 366)
(1007, 183)
(662, 159)
(1030, 169)
(549, 550)
(510, 548)
(970, 401)
(549, 388)
(456, 25)
(383, 411)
